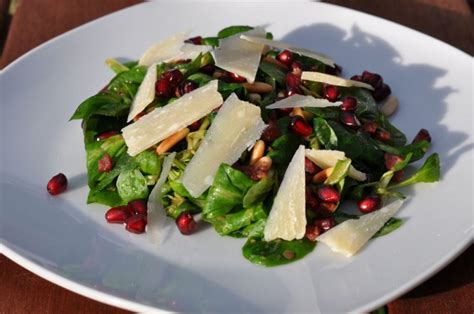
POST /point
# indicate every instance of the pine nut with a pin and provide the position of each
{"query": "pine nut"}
(172, 140)
(258, 87)
(257, 151)
(389, 106)
(322, 175)
(297, 111)
(264, 163)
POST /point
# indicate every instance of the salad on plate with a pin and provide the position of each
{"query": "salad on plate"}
(260, 139)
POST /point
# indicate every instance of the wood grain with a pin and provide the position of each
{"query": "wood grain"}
(450, 291)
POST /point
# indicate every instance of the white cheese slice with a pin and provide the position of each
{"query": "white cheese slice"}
(326, 158)
(333, 80)
(190, 51)
(240, 56)
(236, 127)
(145, 94)
(302, 101)
(282, 45)
(158, 223)
(348, 237)
(165, 121)
(287, 219)
(164, 50)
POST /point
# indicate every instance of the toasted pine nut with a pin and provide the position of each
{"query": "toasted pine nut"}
(275, 61)
(172, 140)
(255, 98)
(257, 151)
(389, 106)
(258, 87)
(322, 175)
(308, 115)
(297, 111)
(264, 163)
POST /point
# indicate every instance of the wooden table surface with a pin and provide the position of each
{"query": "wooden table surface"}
(35, 21)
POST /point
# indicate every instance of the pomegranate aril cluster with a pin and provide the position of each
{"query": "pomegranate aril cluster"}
(381, 91)
(318, 227)
(166, 86)
(133, 215)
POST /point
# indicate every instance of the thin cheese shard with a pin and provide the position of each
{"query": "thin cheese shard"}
(333, 80)
(190, 52)
(236, 127)
(287, 219)
(282, 45)
(165, 121)
(145, 94)
(303, 101)
(240, 56)
(158, 223)
(164, 50)
(350, 236)
(326, 158)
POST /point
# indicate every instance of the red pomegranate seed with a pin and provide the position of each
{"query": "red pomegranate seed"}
(325, 209)
(369, 204)
(383, 135)
(138, 206)
(350, 119)
(105, 164)
(373, 79)
(331, 93)
(163, 88)
(195, 125)
(299, 126)
(208, 69)
(136, 224)
(57, 184)
(106, 135)
(296, 68)
(186, 224)
(325, 224)
(391, 160)
(237, 78)
(195, 40)
(382, 92)
(118, 214)
(292, 81)
(310, 167)
(285, 57)
(173, 77)
(312, 232)
(185, 87)
(423, 135)
(311, 200)
(370, 127)
(328, 193)
(271, 132)
(349, 103)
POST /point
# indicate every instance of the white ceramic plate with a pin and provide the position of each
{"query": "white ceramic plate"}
(67, 242)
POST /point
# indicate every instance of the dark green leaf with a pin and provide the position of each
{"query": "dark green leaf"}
(131, 185)
(149, 162)
(418, 150)
(274, 71)
(210, 41)
(277, 252)
(232, 30)
(325, 133)
(283, 149)
(429, 172)
(98, 102)
(259, 191)
(200, 78)
(389, 226)
(107, 197)
(228, 88)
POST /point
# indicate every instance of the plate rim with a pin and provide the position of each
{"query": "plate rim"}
(113, 300)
